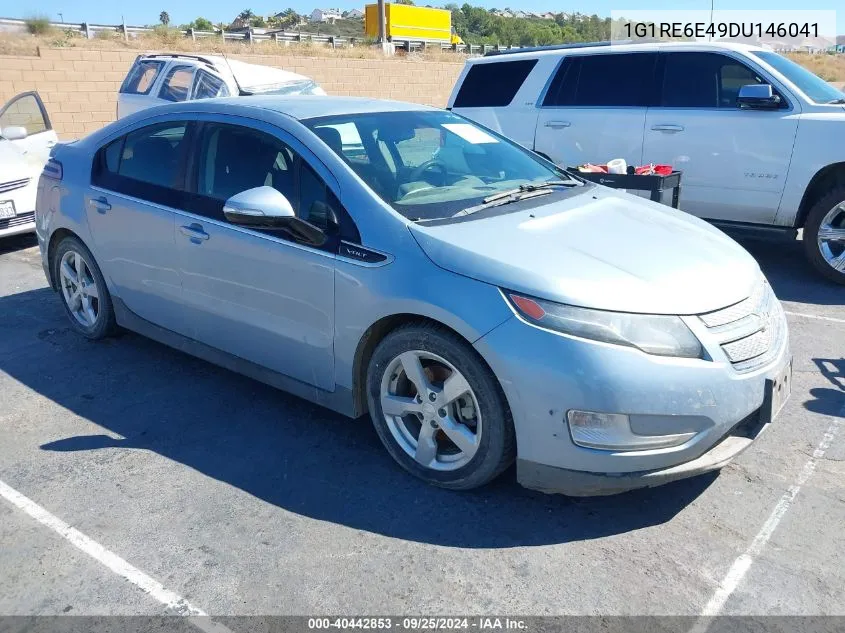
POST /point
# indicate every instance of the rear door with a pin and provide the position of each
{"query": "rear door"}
(137, 183)
(595, 108)
(27, 111)
(734, 161)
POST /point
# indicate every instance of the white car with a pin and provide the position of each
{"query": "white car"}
(757, 137)
(171, 77)
(26, 138)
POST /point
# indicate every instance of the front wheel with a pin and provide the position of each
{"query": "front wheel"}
(824, 235)
(438, 409)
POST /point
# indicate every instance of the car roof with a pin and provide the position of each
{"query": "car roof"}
(304, 107)
(607, 47)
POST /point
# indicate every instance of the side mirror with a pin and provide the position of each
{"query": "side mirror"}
(261, 207)
(266, 208)
(757, 96)
(14, 132)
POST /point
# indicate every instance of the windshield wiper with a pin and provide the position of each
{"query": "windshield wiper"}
(837, 101)
(503, 198)
(531, 187)
(523, 192)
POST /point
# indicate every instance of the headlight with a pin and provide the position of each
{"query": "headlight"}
(653, 334)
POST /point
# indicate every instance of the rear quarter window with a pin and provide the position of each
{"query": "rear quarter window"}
(141, 77)
(493, 84)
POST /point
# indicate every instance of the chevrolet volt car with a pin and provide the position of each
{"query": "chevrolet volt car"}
(481, 304)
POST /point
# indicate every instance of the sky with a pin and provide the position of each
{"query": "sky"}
(183, 11)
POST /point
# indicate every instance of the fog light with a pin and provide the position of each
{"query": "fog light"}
(612, 432)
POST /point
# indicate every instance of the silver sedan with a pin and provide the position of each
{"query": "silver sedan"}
(483, 305)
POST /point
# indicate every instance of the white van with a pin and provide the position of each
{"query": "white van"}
(170, 77)
(757, 137)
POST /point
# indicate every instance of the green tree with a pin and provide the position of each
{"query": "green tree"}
(164, 18)
(202, 24)
(404, 1)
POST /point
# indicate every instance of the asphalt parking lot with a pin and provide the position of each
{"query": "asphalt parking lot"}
(240, 499)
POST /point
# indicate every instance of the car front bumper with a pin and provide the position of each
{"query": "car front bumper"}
(545, 374)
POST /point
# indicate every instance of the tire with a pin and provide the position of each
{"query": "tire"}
(480, 413)
(818, 215)
(103, 324)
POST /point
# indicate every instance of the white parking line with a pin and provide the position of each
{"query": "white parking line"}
(742, 564)
(813, 316)
(115, 563)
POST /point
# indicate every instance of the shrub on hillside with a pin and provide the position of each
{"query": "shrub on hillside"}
(38, 25)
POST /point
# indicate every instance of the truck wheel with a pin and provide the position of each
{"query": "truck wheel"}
(824, 235)
(438, 409)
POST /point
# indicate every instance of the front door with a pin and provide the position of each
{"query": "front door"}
(595, 109)
(734, 161)
(27, 111)
(261, 296)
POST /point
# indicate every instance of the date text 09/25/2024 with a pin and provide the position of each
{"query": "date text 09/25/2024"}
(421, 623)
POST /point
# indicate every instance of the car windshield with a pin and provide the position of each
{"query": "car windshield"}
(430, 164)
(816, 88)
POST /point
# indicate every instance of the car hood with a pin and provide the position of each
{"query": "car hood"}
(14, 164)
(599, 249)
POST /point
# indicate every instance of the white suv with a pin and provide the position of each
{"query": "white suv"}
(758, 137)
(169, 77)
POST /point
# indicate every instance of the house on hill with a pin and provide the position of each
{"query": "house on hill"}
(325, 15)
(354, 14)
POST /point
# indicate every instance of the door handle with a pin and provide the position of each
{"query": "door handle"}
(557, 124)
(668, 128)
(100, 204)
(195, 232)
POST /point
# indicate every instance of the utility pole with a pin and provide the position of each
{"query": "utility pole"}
(381, 23)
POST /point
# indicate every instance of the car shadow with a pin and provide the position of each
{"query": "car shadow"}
(829, 401)
(285, 451)
(17, 243)
(791, 275)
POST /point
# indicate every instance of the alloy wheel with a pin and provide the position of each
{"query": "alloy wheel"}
(79, 289)
(831, 237)
(431, 410)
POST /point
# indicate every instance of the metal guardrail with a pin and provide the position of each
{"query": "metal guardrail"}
(90, 30)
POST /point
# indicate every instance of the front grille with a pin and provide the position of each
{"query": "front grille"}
(18, 220)
(13, 184)
(751, 332)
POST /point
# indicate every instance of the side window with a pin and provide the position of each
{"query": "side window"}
(142, 76)
(25, 111)
(564, 84)
(703, 80)
(144, 164)
(612, 80)
(224, 170)
(177, 84)
(207, 86)
(317, 204)
(493, 84)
